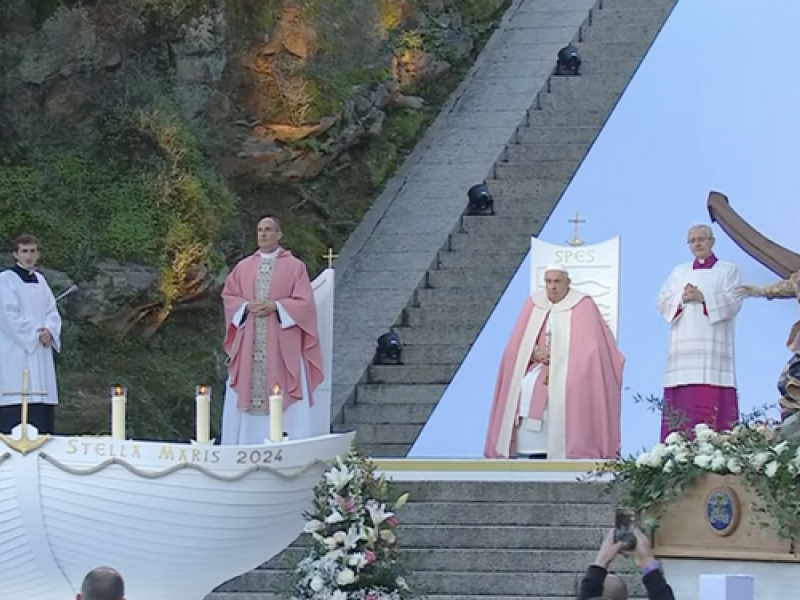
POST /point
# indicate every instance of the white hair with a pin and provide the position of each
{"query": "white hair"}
(704, 228)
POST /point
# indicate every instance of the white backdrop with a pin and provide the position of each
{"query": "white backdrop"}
(715, 105)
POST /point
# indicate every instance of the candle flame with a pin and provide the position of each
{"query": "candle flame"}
(118, 390)
(203, 390)
(276, 390)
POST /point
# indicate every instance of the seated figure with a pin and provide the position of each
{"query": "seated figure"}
(559, 389)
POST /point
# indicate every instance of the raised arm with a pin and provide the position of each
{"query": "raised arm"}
(13, 321)
(724, 302)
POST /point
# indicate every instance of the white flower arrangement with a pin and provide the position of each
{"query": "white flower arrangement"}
(354, 554)
(769, 469)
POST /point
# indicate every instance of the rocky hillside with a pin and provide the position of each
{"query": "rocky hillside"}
(140, 139)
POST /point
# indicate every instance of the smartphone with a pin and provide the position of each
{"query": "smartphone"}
(624, 527)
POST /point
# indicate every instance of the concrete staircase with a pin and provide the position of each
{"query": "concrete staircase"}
(446, 313)
(481, 541)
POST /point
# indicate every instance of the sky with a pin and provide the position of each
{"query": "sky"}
(714, 106)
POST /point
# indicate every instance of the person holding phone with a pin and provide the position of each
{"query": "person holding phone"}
(597, 583)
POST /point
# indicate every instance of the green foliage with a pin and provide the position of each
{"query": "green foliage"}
(769, 469)
(101, 164)
(160, 374)
(354, 552)
(479, 12)
(143, 193)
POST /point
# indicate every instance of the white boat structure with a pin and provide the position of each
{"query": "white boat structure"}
(177, 520)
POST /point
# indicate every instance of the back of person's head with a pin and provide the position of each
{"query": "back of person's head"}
(102, 583)
(615, 588)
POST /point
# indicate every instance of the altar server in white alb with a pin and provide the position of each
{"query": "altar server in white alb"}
(30, 330)
(700, 301)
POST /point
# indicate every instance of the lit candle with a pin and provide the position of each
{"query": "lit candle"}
(118, 401)
(276, 415)
(203, 417)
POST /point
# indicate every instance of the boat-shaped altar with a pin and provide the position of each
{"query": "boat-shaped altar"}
(175, 519)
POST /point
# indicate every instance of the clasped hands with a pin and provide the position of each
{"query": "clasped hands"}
(262, 308)
(542, 356)
(692, 294)
(45, 337)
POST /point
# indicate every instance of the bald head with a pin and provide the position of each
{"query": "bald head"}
(614, 588)
(102, 583)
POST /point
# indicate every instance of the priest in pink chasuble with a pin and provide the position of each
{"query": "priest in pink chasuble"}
(700, 300)
(559, 389)
(271, 339)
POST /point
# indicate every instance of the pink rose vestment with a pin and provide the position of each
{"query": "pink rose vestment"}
(577, 397)
(286, 347)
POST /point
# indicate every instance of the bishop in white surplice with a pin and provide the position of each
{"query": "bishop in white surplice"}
(700, 300)
(30, 330)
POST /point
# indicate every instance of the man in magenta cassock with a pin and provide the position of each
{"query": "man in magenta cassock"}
(700, 301)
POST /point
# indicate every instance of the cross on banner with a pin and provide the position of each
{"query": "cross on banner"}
(329, 257)
(24, 444)
(576, 241)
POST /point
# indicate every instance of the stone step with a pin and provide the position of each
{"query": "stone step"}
(435, 354)
(465, 278)
(511, 513)
(546, 134)
(524, 204)
(386, 414)
(579, 98)
(477, 260)
(467, 583)
(438, 335)
(530, 193)
(412, 373)
(574, 92)
(499, 224)
(620, 17)
(495, 537)
(384, 450)
(555, 492)
(632, 4)
(603, 31)
(559, 170)
(455, 297)
(606, 67)
(378, 393)
(527, 153)
(554, 119)
(609, 50)
(438, 316)
(371, 433)
(486, 242)
(548, 561)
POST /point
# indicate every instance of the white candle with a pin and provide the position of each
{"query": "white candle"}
(118, 401)
(203, 416)
(276, 415)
